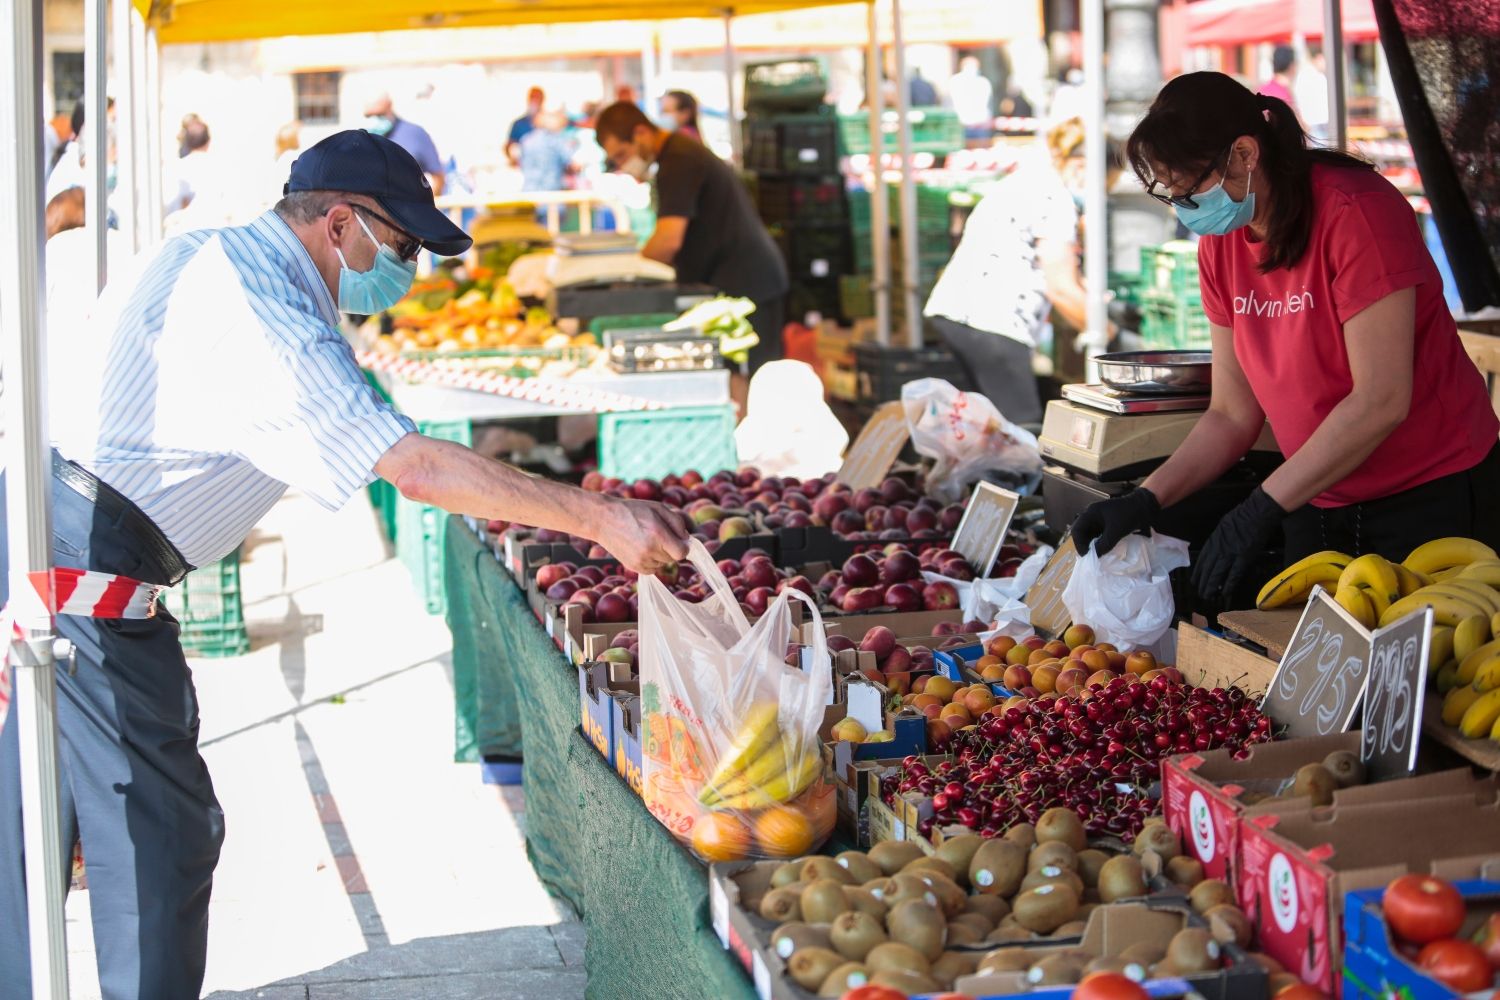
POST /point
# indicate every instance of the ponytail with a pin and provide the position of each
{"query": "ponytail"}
(1198, 115)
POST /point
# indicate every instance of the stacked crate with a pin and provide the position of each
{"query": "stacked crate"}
(1171, 305)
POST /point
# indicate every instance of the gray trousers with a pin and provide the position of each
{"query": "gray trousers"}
(999, 366)
(133, 785)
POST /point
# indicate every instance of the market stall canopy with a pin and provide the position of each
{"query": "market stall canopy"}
(1245, 22)
(179, 21)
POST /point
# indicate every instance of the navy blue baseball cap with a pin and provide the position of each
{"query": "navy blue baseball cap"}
(360, 162)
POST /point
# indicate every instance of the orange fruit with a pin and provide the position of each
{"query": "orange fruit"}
(784, 832)
(721, 836)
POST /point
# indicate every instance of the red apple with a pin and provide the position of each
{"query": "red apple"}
(921, 519)
(894, 490)
(612, 608)
(944, 628)
(939, 596)
(898, 661)
(801, 583)
(875, 518)
(895, 518)
(759, 599)
(549, 574)
(562, 589)
(900, 567)
(860, 571)
(758, 572)
(830, 505)
(840, 643)
(838, 595)
(865, 499)
(846, 522)
(903, 597)
(880, 641)
(830, 579)
(593, 481)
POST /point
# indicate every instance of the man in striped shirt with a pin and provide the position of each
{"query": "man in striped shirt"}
(220, 379)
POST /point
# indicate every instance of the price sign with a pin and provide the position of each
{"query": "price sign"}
(982, 530)
(1048, 612)
(873, 453)
(1393, 696)
(1321, 677)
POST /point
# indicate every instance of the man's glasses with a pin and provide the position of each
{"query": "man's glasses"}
(408, 248)
(1166, 197)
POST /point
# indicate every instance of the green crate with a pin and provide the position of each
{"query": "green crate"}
(383, 494)
(1170, 324)
(857, 298)
(932, 257)
(600, 325)
(419, 528)
(933, 208)
(1125, 286)
(933, 130)
(650, 444)
(208, 607)
(785, 84)
(1170, 269)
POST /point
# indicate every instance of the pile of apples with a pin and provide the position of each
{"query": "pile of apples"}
(609, 594)
(892, 577)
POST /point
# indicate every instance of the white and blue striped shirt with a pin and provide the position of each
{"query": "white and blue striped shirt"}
(220, 379)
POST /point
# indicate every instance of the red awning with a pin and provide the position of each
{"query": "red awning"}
(1245, 22)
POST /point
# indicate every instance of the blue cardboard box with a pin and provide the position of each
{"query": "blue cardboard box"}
(625, 714)
(1374, 969)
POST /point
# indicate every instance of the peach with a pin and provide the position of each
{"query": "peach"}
(1056, 648)
(1044, 679)
(979, 702)
(1078, 635)
(932, 711)
(1039, 656)
(1099, 678)
(995, 673)
(1018, 654)
(1074, 663)
(1140, 662)
(987, 661)
(921, 701)
(1116, 660)
(1000, 645)
(1095, 660)
(1033, 642)
(956, 711)
(940, 686)
(919, 683)
(1014, 701)
(1107, 647)
(1069, 681)
(1016, 677)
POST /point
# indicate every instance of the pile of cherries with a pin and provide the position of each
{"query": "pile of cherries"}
(1096, 755)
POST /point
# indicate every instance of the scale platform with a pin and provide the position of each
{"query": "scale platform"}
(1102, 397)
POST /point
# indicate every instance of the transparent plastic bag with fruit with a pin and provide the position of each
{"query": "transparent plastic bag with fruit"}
(1127, 594)
(731, 760)
(966, 436)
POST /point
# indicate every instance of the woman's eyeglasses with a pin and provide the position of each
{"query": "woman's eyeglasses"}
(1166, 197)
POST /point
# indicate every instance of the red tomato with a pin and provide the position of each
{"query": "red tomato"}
(1459, 965)
(873, 992)
(1488, 939)
(1421, 908)
(1108, 986)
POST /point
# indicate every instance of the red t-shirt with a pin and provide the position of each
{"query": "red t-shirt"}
(1289, 336)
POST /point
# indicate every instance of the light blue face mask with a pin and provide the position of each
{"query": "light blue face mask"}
(379, 124)
(1217, 213)
(365, 293)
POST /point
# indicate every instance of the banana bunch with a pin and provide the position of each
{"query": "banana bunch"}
(1294, 584)
(762, 766)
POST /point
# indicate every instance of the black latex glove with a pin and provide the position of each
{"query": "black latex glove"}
(1236, 545)
(1110, 520)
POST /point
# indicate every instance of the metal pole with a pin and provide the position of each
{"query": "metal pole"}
(1333, 59)
(910, 275)
(736, 138)
(96, 147)
(125, 176)
(1095, 204)
(147, 219)
(880, 220)
(28, 490)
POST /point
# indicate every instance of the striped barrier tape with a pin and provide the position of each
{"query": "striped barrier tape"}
(563, 395)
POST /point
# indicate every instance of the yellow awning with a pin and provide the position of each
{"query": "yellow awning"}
(238, 20)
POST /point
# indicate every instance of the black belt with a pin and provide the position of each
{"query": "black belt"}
(112, 504)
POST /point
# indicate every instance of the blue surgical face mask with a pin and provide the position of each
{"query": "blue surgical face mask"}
(1217, 213)
(379, 124)
(366, 293)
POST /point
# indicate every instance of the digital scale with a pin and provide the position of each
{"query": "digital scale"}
(604, 274)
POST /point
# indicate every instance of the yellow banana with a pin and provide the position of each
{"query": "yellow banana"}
(1410, 580)
(1447, 677)
(1454, 592)
(1487, 677)
(1446, 574)
(1457, 702)
(1442, 553)
(761, 771)
(1446, 608)
(1469, 665)
(786, 786)
(1374, 573)
(1482, 592)
(1297, 581)
(755, 738)
(1357, 602)
(1469, 635)
(1495, 625)
(1480, 717)
(1485, 571)
(1440, 648)
(1495, 731)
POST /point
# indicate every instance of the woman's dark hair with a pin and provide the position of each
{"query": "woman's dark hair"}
(685, 102)
(1198, 116)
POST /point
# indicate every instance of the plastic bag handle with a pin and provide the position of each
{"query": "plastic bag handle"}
(704, 562)
(822, 678)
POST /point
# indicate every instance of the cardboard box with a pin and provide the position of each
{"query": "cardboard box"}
(1209, 660)
(595, 689)
(1374, 967)
(625, 718)
(1298, 866)
(729, 885)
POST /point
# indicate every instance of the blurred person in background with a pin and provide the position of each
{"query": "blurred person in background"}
(65, 167)
(1311, 91)
(1283, 76)
(57, 133)
(970, 93)
(547, 153)
(679, 111)
(189, 119)
(288, 146)
(921, 93)
(535, 97)
(1016, 263)
(1014, 104)
(198, 192)
(381, 119)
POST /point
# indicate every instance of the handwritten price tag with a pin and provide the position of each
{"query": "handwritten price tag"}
(1320, 680)
(876, 449)
(982, 530)
(1393, 696)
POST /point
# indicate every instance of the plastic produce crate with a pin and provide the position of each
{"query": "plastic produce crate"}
(208, 606)
(932, 256)
(813, 252)
(1168, 323)
(818, 200)
(1170, 269)
(419, 529)
(933, 130)
(600, 325)
(649, 444)
(933, 208)
(857, 297)
(882, 371)
(809, 295)
(785, 85)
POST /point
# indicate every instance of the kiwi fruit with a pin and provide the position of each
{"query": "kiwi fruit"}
(994, 908)
(1006, 960)
(1113, 963)
(1046, 908)
(1061, 824)
(1009, 920)
(978, 921)
(781, 905)
(1121, 878)
(900, 888)
(1055, 970)
(1227, 923)
(843, 979)
(1315, 782)
(1185, 871)
(962, 935)
(1193, 950)
(951, 899)
(890, 856)
(1021, 833)
(865, 902)
(1210, 893)
(1159, 838)
(786, 874)
(1346, 768)
(1089, 864)
(1009, 935)
(796, 935)
(810, 966)
(859, 866)
(952, 964)
(1052, 852)
(958, 852)
(895, 955)
(1143, 954)
(1053, 874)
(998, 867)
(854, 934)
(919, 925)
(923, 865)
(910, 983)
(821, 902)
(1073, 928)
(818, 868)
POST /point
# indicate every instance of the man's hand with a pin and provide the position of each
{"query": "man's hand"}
(644, 536)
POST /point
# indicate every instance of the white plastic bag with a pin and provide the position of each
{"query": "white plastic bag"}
(1126, 596)
(788, 430)
(998, 598)
(731, 759)
(965, 435)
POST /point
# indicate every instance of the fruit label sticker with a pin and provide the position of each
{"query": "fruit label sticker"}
(1048, 612)
(981, 533)
(1393, 696)
(1321, 677)
(1201, 826)
(873, 453)
(1281, 889)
